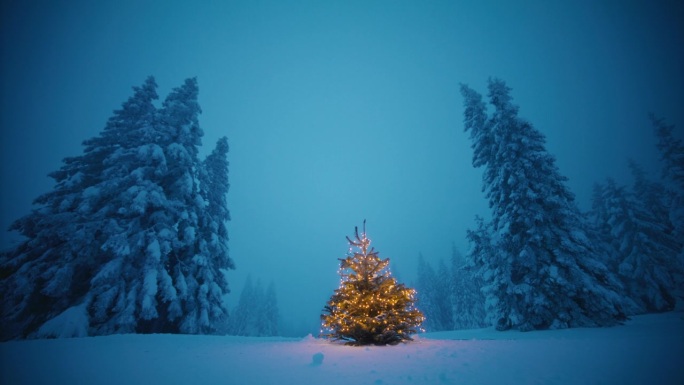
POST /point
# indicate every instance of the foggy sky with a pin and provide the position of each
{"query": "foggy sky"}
(338, 112)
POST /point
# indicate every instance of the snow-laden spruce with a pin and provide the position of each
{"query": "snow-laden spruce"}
(640, 242)
(429, 298)
(672, 154)
(256, 313)
(449, 297)
(133, 233)
(538, 267)
(466, 299)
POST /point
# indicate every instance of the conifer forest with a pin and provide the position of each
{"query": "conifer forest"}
(133, 238)
(364, 173)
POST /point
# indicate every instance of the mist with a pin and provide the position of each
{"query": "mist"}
(340, 112)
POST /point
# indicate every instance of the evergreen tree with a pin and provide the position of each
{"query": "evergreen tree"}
(369, 307)
(214, 189)
(547, 274)
(443, 295)
(434, 295)
(450, 298)
(599, 230)
(655, 200)
(117, 237)
(212, 260)
(179, 117)
(270, 314)
(256, 313)
(426, 295)
(652, 195)
(51, 270)
(672, 154)
(646, 253)
(491, 269)
(467, 302)
(243, 320)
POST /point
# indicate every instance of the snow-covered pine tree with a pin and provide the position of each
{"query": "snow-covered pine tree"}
(489, 267)
(547, 275)
(214, 189)
(211, 261)
(599, 232)
(671, 151)
(243, 320)
(443, 296)
(149, 285)
(652, 195)
(656, 200)
(672, 155)
(198, 271)
(270, 314)
(426, 289)
(467, 302)
(213, 233)
(51, 270)
(115, 237)
(645, 251)
(136, 229)
(256, 313)
(434, 295)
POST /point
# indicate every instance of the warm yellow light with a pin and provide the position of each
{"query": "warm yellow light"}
(369, 304)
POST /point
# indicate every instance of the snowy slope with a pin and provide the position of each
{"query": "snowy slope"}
(648, 350)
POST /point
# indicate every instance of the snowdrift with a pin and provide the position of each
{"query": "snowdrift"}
(649, 349)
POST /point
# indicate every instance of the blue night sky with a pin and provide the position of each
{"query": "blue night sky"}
(339, 111)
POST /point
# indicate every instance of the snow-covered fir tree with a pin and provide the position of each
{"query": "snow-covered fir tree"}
(658, 202)
(256, 313)
(169, 255)
(546, 273)
(467, 301)
(672, 155)
(116, 240)
(50, 271)
(243, 318)
(443, 285)
(671, 151)
(211, 261)
(434, 295)
(489, 268)
(598, 230)
(270, 314)
(136, 229)
(213, 189)
(643, 248)
(449, 297)
(652, 195)
(425, 295)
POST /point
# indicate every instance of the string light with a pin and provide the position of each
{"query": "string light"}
(369, 307)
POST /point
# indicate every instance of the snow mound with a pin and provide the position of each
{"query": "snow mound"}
(73, 322)
(317, 359)
(309, 338)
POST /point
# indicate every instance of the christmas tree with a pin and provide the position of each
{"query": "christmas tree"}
(369, 307)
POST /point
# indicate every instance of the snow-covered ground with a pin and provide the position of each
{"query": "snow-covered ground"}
(649, 349)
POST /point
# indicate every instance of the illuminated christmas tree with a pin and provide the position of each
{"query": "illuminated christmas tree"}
(369, 307)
